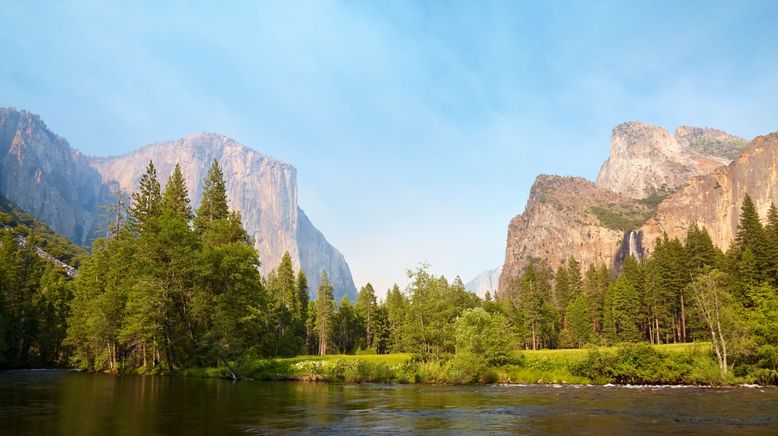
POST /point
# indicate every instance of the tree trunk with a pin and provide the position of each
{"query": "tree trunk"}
(683, 320)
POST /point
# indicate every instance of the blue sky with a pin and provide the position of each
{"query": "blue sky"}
(417, 128)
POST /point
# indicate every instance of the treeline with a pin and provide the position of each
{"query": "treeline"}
(685, 291)
(171, 288)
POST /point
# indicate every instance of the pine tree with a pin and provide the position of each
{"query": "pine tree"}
(213, 205)
(771, 251)
(325, 313)
(175, 199)
(286, 288)
(147, 201)
(366, 307)
(303, 295)
(396, 308)
(622, 309)
(750, 233)
(701, 254)
(579, 321)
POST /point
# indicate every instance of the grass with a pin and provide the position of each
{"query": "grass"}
(682, 363)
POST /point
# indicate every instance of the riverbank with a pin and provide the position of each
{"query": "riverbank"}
(676, 364)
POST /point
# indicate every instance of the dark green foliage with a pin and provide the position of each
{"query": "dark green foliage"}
(579, 329)
(147, 201)
(175, 199)
(367, 306)
(213, 206)
(34, 306)
(348, 327)
(325, 313)
(622, 308)
(637, 364)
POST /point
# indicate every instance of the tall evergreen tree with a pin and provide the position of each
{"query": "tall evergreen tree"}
(396, 308)
(213, 205)
(175, 198)
(366, 308)
(325, 313)
(147, 201)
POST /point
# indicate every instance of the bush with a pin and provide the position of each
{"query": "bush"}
(637, 364)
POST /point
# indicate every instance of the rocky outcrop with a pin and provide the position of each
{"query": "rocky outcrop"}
(487, 281)
(43, 175)
(710, 142)
(714, 200)
(569, 217)
(646, 160)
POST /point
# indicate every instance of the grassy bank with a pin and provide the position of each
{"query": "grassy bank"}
(629, 364)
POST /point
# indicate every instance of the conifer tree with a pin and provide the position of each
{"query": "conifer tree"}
(175, 198)
(396, 308)
(303, 295)
(213, 205)
(325, 313)
(366, 307)
(146, 202)
(771, 251)
(750, 233)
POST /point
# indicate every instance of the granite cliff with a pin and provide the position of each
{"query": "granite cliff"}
(646, 160)
(57, 184)
(714, 200)
(569, 216)
(43, 175)
(652, 182)
(263, 189)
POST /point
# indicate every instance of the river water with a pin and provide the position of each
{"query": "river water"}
(64, 402)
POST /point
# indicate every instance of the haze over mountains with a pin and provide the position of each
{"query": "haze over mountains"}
(42, 174)
(652, 183)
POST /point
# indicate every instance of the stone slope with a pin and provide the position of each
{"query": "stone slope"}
(569, 217)
(646, 160)
(714, 200)
(43, 175)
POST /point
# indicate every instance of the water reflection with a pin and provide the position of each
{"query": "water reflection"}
(58, 402)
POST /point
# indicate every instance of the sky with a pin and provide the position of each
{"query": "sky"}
(417, 128)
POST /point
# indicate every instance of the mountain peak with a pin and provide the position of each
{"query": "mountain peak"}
(646, 160)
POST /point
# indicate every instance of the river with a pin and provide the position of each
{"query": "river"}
(65, 402)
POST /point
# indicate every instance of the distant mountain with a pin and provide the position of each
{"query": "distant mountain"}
(41, 173)
(651, 183)
(486, 281)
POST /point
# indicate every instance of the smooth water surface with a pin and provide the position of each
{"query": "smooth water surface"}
(64, 402)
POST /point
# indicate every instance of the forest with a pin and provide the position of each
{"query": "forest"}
(171, 288)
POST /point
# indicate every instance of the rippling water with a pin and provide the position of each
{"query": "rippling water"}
(62, 402)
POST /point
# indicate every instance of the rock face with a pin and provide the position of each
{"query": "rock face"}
(263, 189)
(486, 281)
(42, 174)
(621, 214)
(710, 142)
(568, 217)
(645, 160)
(714, 200)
